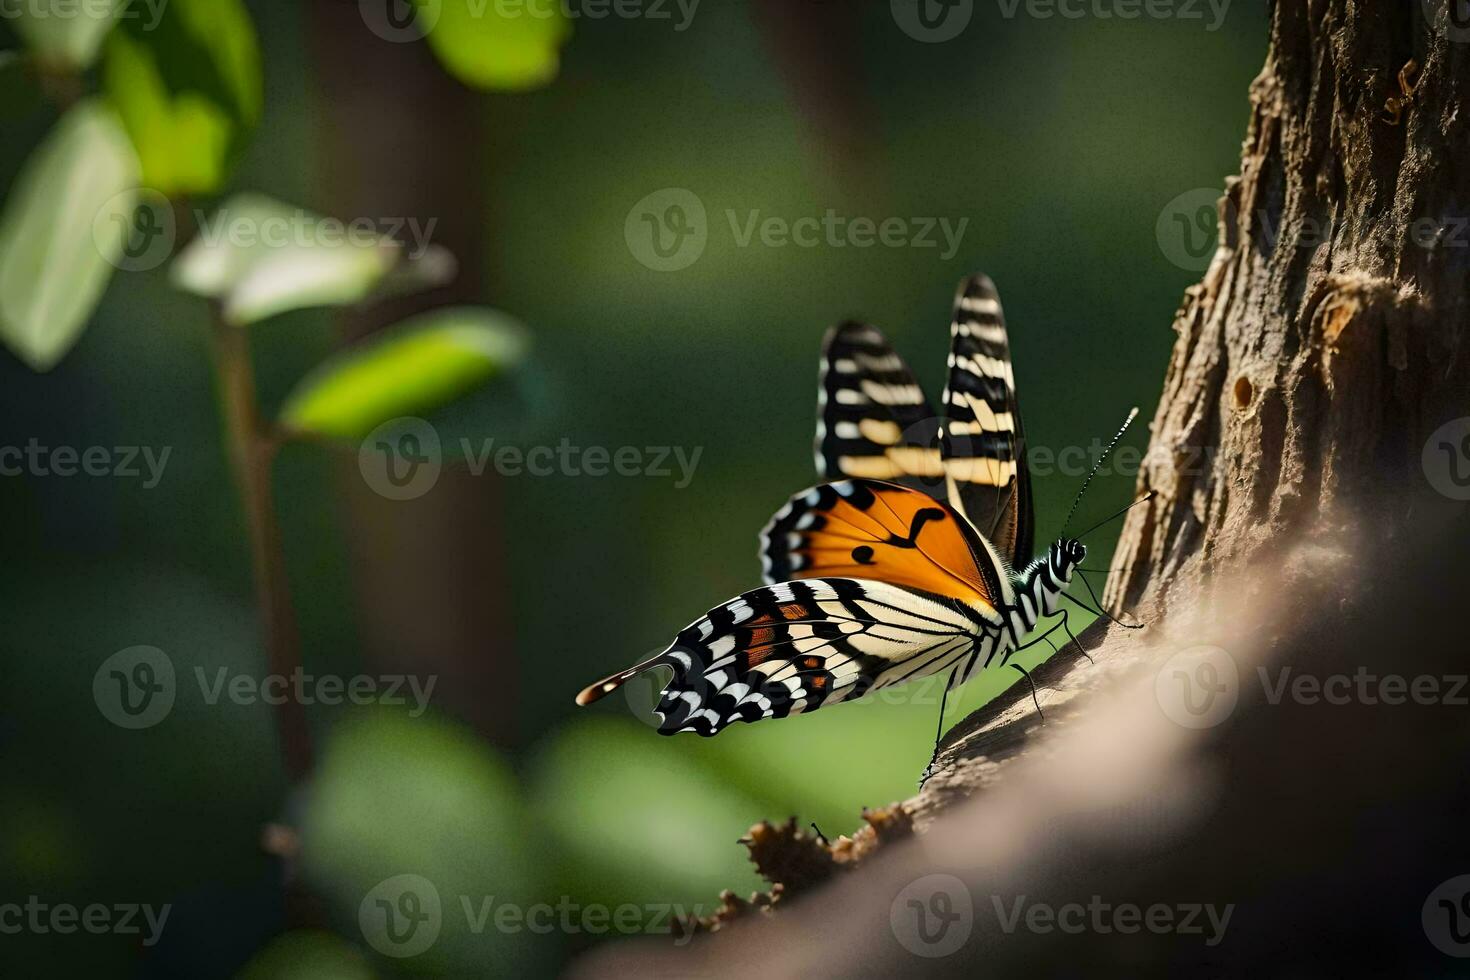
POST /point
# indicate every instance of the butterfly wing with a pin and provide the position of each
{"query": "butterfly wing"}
(873, 421)
(868, 529)
(798, 646)
(981, 440)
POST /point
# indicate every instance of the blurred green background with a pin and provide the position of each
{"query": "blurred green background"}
(1060, 140)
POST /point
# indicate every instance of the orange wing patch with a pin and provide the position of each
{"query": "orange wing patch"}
(867, 529)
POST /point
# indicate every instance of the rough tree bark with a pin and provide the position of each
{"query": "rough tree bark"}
(1298, 529)
(1326, 342)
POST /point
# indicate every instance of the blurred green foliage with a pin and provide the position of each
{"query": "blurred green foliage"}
(1059, 141)
(508, 45)
(62, 230)
(259, 258)
(67, 42)
(418, 365)
(188, 89)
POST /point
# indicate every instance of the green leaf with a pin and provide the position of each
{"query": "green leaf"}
(413, 368)
(188, 89)
(63, 231)
(259, 257)
(509, 45)
(66, 35)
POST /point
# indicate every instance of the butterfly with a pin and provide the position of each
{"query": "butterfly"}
(902, 563)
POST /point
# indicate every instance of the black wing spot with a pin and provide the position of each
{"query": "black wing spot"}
(863, 555)
(920, 519)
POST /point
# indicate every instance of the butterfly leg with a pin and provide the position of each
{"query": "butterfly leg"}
(1075, 642)
(1034, 699)
(939, 729)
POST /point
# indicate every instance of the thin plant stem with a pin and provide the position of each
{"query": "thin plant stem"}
(252, 451)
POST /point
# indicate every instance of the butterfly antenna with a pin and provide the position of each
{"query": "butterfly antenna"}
(1132, 414)
(1034, 699)
(1146, 497)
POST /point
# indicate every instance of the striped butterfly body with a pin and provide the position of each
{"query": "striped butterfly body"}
(902, 565)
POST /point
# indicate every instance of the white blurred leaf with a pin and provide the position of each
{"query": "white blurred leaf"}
(259, 258)
(66, 35)
(63, 231)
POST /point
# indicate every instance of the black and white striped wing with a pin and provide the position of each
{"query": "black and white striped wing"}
(982, 441)
(873, 421)
(798, 646)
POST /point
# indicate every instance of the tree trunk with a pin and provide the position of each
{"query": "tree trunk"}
(429, 573)
(1310, 463)
(1327, 340)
